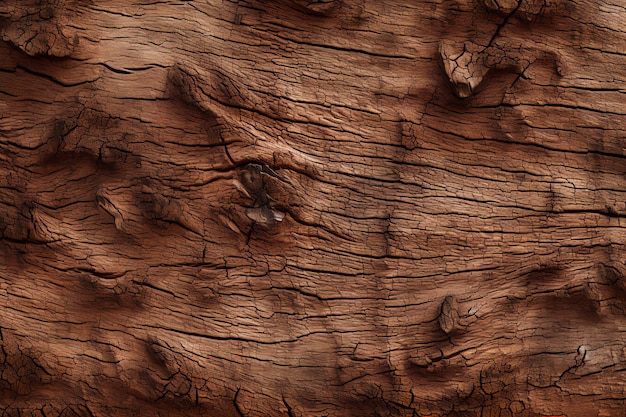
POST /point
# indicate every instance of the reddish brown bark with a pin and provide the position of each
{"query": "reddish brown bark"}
(310, 208)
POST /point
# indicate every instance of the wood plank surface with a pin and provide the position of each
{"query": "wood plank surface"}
(313, 208)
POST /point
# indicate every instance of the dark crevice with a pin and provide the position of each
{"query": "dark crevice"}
(236, 404)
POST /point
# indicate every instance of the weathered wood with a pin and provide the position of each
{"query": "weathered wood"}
(308, 208)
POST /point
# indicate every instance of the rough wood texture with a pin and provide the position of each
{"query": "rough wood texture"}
(313, 208)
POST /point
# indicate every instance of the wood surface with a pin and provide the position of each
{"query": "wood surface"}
(313, 208)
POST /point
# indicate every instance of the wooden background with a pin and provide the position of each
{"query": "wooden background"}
(313, 208)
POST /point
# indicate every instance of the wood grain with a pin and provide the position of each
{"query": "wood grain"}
(312, 208)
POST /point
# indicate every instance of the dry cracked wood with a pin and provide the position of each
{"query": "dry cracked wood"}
(313, 208)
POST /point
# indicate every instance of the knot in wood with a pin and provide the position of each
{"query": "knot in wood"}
(449, 317)
(252, 182)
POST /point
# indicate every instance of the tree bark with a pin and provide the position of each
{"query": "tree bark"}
(313, 208)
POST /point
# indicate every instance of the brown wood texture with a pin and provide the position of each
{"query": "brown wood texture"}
(313, 208)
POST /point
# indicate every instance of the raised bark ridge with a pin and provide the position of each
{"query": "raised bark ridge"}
(306, 208)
